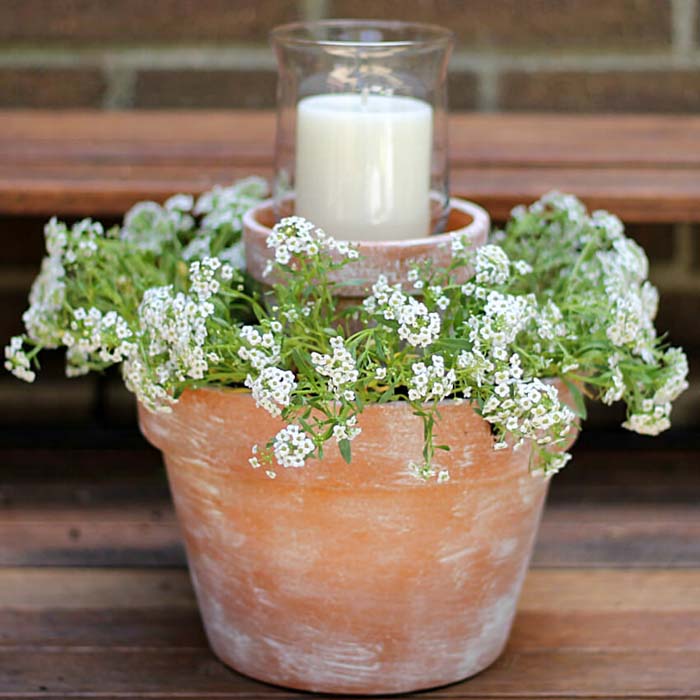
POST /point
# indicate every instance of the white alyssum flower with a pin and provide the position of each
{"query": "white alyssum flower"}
(272, 389)
(417, 325)
(96, 337)
(65, 247)
(16, 360)
(292, 446)
(617, 390)
(150, 227)
(339, 367)
(295, 237)
(139, 380)
(653, 422)
(260, 347)
(677, 373)
(492, 265)
(530, 410)
(431, 382)
(348, 430)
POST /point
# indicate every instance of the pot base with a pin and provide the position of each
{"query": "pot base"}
(332, 689)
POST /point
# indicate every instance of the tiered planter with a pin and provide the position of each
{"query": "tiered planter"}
(354, 578)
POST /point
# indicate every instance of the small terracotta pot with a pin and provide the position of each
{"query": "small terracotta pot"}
(393, 259)
(351, 578)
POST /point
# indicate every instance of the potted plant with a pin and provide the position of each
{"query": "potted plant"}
(358, 465)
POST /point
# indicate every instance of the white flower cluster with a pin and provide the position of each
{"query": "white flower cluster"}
(504, 317)
(492, 265)
(653, 420)
(150, 226)
(529, 410)
(224, 206)
(173, 333)
(617, 389)
(292, 446)
(16, 360)
(348, 430)
(139, 380)
(676, 381)
(272, 389)
(549, 322)
(294, 236)
(222, 210)
(174, 325)
(65, 247)
(74, 244)
(431, 382)
(339, 367)
(418, 326)
(654, 416)
(203, 277)
(260, 347)
(98, 338)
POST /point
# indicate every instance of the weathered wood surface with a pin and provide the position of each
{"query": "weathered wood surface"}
(645, 168)
(579, 633)
(95, 600)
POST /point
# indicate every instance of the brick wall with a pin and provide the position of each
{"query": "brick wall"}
(564, 55)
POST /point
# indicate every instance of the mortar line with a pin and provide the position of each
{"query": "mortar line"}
(683, 27)
(120, 88)
(243, 57)
(314, 10)
(488, 89)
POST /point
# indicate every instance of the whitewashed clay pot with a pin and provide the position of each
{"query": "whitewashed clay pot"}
(351, 578)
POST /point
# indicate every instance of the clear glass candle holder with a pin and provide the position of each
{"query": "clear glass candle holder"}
(361, 145)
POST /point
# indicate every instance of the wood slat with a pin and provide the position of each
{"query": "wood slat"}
(572, 590)
(578, 634)
(646, 168)
(146, 534)
(176, 673)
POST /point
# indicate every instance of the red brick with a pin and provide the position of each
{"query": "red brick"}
(663, 91)
(462, 89)
(125, 21)
(530, 24)
(210, 89)
(50, 88)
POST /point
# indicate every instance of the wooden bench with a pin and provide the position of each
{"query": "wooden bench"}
(94, 597)
(643, 168)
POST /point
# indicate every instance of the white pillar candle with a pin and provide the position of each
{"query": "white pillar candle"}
(363, 165)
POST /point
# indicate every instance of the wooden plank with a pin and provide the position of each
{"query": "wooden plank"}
(637, 196)
(91, 672)
(525, 139)
(94, 589)
(564, 590)
(136, 627)
(645, 168)
(138, 533)
(181, 627)
(620, 535)
(82, 633)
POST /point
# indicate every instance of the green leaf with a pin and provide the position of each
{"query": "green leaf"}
(579, 401)
(345, 450)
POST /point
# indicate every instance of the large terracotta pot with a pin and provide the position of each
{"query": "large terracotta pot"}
(350, 578)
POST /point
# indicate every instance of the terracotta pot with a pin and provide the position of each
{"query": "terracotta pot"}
(350, 578)
(391, 258)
